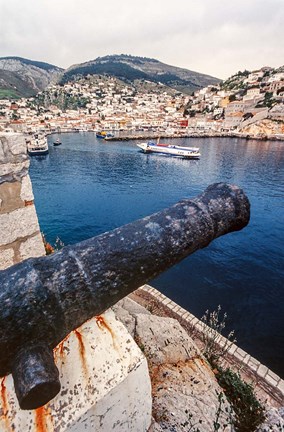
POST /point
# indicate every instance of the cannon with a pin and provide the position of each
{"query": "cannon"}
(43, 299)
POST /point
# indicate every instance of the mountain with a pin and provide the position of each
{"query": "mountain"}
(21, 77)
(130, 68)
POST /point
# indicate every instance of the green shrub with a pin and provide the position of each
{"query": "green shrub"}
(249, 411)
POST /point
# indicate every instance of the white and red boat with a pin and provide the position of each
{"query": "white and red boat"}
(169, 149)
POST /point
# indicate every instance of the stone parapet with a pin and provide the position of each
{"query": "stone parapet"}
(14, 161)
(18, 224)
(20, 236)
(105, 385)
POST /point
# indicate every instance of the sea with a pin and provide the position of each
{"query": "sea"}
(88, 186)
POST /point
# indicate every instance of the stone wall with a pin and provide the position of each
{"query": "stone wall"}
(20, 236)
(105, 385)
(105, 382)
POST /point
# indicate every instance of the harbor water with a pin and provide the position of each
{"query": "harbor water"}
(87, 186)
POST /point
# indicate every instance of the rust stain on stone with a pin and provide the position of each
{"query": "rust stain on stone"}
(40, 420)
(4, 397)
(82, 349)
(29, 203)
(5, 405)
(101, 322)
(59, 349)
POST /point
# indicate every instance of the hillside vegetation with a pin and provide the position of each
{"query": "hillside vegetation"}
(130, 68)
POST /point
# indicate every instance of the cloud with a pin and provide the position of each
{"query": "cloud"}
(216, 38)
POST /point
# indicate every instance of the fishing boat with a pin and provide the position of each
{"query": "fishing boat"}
(37, 145)
(169, 149)
(57, 142)
(101, 135)
(109, 136)
(104, 135)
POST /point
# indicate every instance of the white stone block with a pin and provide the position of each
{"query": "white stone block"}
(105, 385)
(32, 247)
(6, 258)
(114, 411)
(26, 189)
(20, 223)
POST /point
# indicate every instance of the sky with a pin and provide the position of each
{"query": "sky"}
(215, 37)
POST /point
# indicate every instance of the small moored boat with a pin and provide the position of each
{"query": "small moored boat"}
(109, 136)
(104, 135)
(101, 135)
(169, 149)
(57, 142)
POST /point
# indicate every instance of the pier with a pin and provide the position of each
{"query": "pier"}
(155, 136)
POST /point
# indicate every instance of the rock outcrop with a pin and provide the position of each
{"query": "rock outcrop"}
(185, 391)
(266, 127)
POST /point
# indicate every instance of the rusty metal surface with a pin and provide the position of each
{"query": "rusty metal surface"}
(43, 299)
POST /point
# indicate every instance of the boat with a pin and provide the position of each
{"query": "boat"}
(101, 135)
(57, 142)
(109, 136)
(37, 145)
(169, 149)
(104, 135)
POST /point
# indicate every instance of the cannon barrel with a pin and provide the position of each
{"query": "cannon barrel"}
(43, 299)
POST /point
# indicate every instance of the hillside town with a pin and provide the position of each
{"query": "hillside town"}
(249, 104)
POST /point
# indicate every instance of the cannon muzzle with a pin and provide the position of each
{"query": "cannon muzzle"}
(43, 299)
